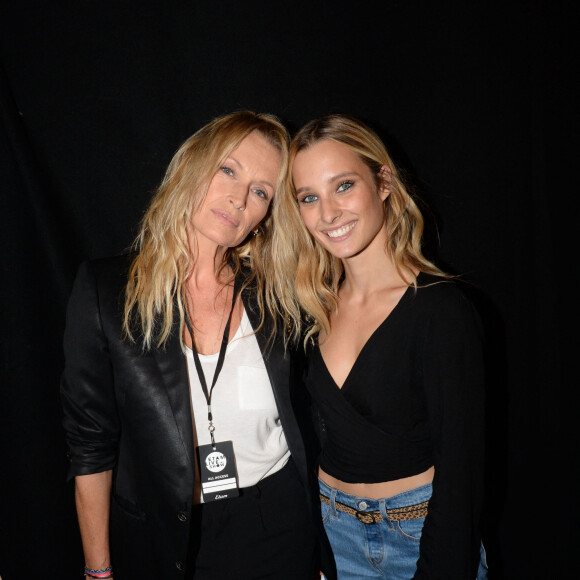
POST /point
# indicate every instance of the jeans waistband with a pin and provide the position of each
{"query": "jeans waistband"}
(414, 496)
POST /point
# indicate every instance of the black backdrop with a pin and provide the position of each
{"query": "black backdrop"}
(475, 99)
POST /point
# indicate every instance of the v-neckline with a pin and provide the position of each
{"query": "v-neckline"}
(383, 323)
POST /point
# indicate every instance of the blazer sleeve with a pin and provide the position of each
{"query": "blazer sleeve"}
(87, 390)
(454, 378)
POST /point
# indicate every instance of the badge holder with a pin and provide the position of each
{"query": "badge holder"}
(217, 470)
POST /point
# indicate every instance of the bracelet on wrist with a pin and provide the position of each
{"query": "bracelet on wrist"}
(102, 574)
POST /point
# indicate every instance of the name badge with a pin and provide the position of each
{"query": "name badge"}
(217, 470)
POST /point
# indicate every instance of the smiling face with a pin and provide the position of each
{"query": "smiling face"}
(239, 194)
(339, 199)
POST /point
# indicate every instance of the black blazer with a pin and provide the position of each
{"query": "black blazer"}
(130, 411)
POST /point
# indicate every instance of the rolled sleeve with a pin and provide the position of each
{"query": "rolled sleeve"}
(90, 417)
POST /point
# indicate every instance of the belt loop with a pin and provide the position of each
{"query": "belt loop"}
(333, 492)
(384, 514)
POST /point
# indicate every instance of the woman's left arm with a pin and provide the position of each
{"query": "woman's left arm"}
(454, 384)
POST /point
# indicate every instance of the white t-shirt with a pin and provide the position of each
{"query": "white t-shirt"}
(243, 407)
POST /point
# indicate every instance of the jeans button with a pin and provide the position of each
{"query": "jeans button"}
(363, 505)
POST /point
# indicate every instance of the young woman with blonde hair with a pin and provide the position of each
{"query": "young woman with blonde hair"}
(185, 446)
(395, 364)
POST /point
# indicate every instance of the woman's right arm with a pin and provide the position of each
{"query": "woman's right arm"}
(93, 499)
(90, 417)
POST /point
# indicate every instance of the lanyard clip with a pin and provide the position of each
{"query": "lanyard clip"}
(210, 427)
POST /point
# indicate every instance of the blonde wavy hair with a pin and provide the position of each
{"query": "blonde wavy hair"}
(164, 260)
(312, 286)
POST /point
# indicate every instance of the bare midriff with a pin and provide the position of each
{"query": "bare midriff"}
(379, 490)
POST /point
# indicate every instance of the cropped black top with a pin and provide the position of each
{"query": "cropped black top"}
(372, 437)
(414, 398)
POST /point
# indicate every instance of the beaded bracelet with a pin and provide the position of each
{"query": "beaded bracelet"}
(99, 574)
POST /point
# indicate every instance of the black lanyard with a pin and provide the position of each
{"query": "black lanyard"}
(220, 363)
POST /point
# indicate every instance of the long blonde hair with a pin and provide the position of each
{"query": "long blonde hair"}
(164, 260)
(313, 287)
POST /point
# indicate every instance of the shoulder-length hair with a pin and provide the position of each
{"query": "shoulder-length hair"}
(165, 258)
(317, 273)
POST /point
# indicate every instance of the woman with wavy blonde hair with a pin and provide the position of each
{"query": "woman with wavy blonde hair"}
(395, 364)
(185, 446)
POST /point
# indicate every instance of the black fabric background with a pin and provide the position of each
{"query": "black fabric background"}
(478, 102)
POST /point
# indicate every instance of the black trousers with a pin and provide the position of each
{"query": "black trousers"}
(266, 533)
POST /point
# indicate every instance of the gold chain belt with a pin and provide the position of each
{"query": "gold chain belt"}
(410, 512)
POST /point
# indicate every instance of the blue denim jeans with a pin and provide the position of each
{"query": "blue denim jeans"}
(380, 550)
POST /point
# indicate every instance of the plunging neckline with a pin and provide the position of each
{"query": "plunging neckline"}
(398, 306)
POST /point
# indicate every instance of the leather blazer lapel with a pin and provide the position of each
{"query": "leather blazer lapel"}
(278, 365)
(173, 367)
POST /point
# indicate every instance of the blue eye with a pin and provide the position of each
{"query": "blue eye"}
(226, 170)
(261, 193)
(310, 198)
(345, 185)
